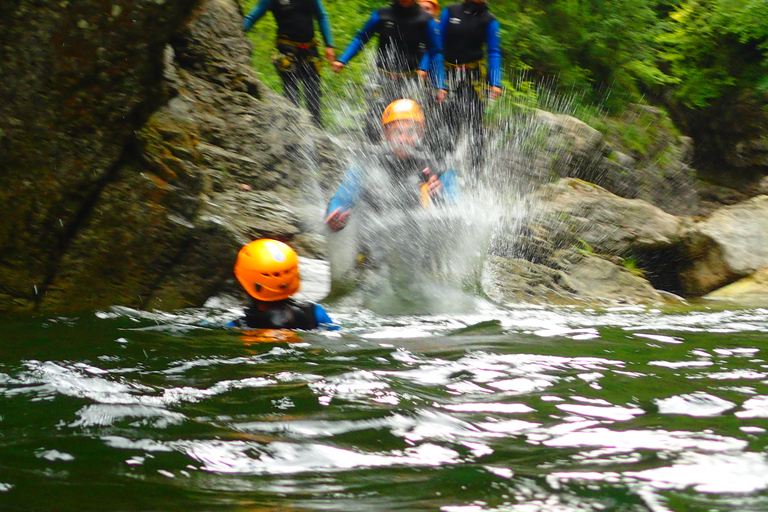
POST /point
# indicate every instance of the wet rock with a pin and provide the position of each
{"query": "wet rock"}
(578, 244)
(573, 210)
(143, 152)
(730, 244)
(751, 287)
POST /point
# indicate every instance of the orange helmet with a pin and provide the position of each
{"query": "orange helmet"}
(402, 110)
(433, 2)
(268, 270)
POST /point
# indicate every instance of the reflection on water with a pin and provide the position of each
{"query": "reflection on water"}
(520, 409)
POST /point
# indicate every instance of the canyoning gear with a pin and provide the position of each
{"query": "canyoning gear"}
(296, 57)
(294, 18)
(284, 314)
(402, 110)
(433, 2)
(268, 270)
(405, 34)
(391, 184)
(465, 28)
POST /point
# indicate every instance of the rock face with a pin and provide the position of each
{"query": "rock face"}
(578, 243)
(655, 168)
(730, 244)
(139, 151)
(753, 286)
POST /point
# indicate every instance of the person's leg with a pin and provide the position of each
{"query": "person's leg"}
(291, 86)
(311, 79)
(476, 129)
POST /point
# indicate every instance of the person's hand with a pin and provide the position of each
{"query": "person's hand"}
(337, 66)
(434, 186)
(441, 95)
(330, 54)
(337, 219)
(421, 74)
(495, 92)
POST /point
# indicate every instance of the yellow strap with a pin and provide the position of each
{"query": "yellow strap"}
(304, 46)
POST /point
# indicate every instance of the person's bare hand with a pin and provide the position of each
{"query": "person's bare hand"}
(421, 74)
(337, 66)
(337, 219)
(495, 92)
(434, 186)
(330, 54)
(441, 95)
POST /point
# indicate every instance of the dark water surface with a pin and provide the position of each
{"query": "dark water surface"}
(531, 410)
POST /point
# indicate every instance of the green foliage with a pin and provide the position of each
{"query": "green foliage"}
(630, 263)
(712, 46)
(606, 54)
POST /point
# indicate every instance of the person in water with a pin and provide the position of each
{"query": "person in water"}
(409, 42)
(404, 177)
(465, 28)
(268, 270)
(296, 57)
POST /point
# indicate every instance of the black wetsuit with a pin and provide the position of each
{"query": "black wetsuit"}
(406, 34)
(297, 59)
(284, 314)
(465, 28)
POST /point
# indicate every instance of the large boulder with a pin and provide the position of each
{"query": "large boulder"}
(140, 152)
(640, 156)
(732, 243)
(752, 287)
(579, 243)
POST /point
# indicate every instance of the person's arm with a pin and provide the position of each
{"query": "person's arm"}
(255, 15)
(450, 190)
(344, 200)
(324, 23)
(435, 51)
(493, 42)
(323, 320)
(363, 36)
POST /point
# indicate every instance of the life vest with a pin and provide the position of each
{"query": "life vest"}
(403, 37)
(466, 32)
(284, 314)
(396, 183)
(295, 19)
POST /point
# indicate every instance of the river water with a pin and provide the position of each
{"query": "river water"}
(509, 409)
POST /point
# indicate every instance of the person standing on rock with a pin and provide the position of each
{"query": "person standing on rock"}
(406, 33)
(296, 57)
(465, 28)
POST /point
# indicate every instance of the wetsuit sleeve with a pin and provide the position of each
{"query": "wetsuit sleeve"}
(363, 36)
(348, 192)
(255, 15)
(323, 320)
(324, 22)
(451, 192)
(424, 62)
(435, 52)
(493, 42)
